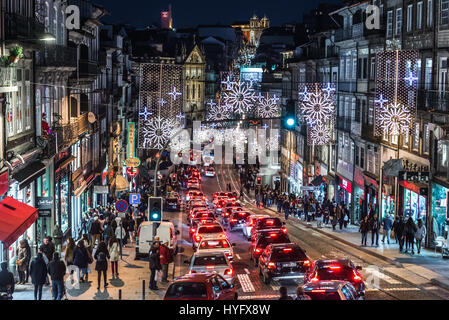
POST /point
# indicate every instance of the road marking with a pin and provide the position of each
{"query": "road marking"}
(261, 297)
(247, 271)
(238, 257)
(275, 286)
(376, 273)
(245, 282)
(401, 289)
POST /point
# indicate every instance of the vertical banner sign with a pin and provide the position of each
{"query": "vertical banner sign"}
(131, 139)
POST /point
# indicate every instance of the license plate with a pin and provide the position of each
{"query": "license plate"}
(289, 264)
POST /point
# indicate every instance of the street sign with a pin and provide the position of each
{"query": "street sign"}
(134, 198)
(132, 162)
(121, 206)
(420, 176)
(101, 189)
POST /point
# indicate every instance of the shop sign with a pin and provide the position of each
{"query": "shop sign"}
(131, 139)
(132, 162)
(44, 213)
(309, 188)
(423, 176)
(101, 189)
(44, 203)
(345, 184)
(4, 183)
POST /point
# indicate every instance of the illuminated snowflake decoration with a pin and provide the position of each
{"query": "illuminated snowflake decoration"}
(395, 119)
(156, 132)
(239, 139)
(273, 143)
(180, 142)
(319, 135)
(318, 108)
(218, 112)
(241, 97)
(268, 108)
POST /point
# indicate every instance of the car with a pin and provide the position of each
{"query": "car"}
(269, 223)
(201, 286)
(194, 194)
(262, 240)
(195, 206)
(283, 261)
(209, 171)
(173, 201)
(144, 237)
(217, 245)
(330, 290)
(338, 269)
(201, 215)
(232, 196)
(193, 183)
(218, 194)
(249, 224)
(238, 219)
(211, 261)
(219, 205)
(208, 231)
(197, 222)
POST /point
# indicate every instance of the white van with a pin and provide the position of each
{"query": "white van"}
(166, 233)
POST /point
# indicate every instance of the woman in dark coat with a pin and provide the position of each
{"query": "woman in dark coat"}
(38, 272)
(155, 263)
(81, 259)
(102, 256)
(364, 228)
(410, 229)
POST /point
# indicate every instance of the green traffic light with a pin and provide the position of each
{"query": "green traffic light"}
(290, 122)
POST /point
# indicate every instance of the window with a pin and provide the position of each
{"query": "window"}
(370, 114)
(348, 68)
(419, 15)
(362, 158)
(342, 68)
(415, 144)
(426, 140)
(357, 157)
(354, 68)
(409, 17)
(429, 13)
(405, 140)
(444, 12)
(357, 111)
(428, 74)
(381, 14)
(19, 105)
(372, 71)
(398, 21)
(390, 23)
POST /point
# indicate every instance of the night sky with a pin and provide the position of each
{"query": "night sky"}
(187, 13)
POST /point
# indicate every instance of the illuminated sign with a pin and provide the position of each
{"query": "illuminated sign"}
(131, 139)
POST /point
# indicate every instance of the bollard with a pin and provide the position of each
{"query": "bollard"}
(120, 294)
(143, 289)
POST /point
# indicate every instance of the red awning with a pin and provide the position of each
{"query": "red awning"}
(15, 218)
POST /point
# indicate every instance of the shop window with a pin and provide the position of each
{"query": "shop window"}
(415, 205)
(439, 209)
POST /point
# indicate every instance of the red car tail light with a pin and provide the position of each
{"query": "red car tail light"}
(356, 276)
(285, 250)
(192, 271)
(198, 238)
(192, 230)
(284, 230)
(210, 267)
(233, 220)
(335, 267)
(319, 290)
(306, 263)
(271, 265)
(258, 250)
(273, 235)
(229, 272)
(269, 222)
(222, 235)
(204, 198)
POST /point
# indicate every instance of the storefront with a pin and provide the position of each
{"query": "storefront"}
(344, 191)
(440, 195)
(413, 200)
(44, 195)
(359, 202)
(296, 177)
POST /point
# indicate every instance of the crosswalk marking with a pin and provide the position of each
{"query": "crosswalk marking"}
(246, 283)
(374, 272)
(247, 271)
(275, 286)
(262, 297)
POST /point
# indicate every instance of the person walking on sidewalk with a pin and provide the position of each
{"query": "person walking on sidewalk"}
(286, 207)
(56, 270)
(23, 260)
(399, 232)
(114, 252)
(166, 259)
(345, 216)
(47, 248)
(95, 231)
(284, 294)
(364, 227)
(387, 224)
(410, 230)
(101, 266)
(333, 218)
(155, 262)
(69, 250)
(38, 272)
(374, 227)
(340, 216)
(420, 234)
(82, 259)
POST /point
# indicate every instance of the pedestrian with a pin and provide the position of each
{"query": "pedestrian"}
(58, 236)
(119, 232)
(300, 294)
(399, 232)
(101, 266)
(85, 239)
(334, 218)
(345, 216)
(47, 248)
(420, 234)
(114, 253)
(69, 250)
(56, 269)
(284, 294)
(387, 224)
(364, 227)
(23, 260)
(155, 263)
(395, 224)
(286, 207)
(340, 216)
(95, 231)
(320, 218)
(410, 230)
(311, 211)
(38, 272)
(374, 227)
(108, 231)
(82, 259)
(166, 259)
(7, 282)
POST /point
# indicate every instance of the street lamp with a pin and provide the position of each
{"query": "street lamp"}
(47, 37)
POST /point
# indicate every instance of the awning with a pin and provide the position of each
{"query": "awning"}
(417, 187)
(318, 181)
(30, 173)
(15, 218)
(67, 162)
(121, 184)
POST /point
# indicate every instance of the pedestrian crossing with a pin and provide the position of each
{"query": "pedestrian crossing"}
(245, 283)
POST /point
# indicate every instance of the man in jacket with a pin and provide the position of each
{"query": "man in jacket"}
(95, 231)
(374, 226)
(38, 272)
(165, 260)
(56, 270)
(47, 248)
(399, 232)
(7, 282)
(387, 224)
(155, 262)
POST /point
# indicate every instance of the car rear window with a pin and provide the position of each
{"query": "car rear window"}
(269, 223)
(327, 295)
(210, 229)
(285, 254)
(214, 244)
(241, 215)
(335, 273)
(279, 238)
(192, 290)
(203, 214)
(210, 261)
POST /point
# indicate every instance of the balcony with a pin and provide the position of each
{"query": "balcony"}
(8, 78)
(19, 27)
(56, 56)
(88, 69)
(433, 100)
(72, 130)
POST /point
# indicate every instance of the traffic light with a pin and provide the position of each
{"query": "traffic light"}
(173, 178)
(132, 172)
(289, 117)
(155, 209)
(259, 181)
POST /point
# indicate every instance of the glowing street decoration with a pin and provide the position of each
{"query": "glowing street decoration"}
(319, 135)
(157, 132)
(175, 94)
(268, 107)
(396, 92)
(241, 97)
(218, 113)
(329, 89)
(145, 113)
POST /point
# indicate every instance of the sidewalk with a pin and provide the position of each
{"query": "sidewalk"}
(428, 264)
(131, 274)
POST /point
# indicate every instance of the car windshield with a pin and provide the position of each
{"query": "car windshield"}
(335, 273)
(210, 261)
(214, 244)
(326, 295)
(210, 229)
(278, 238)
(269, 223)
(288, 254)
(192, 290)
